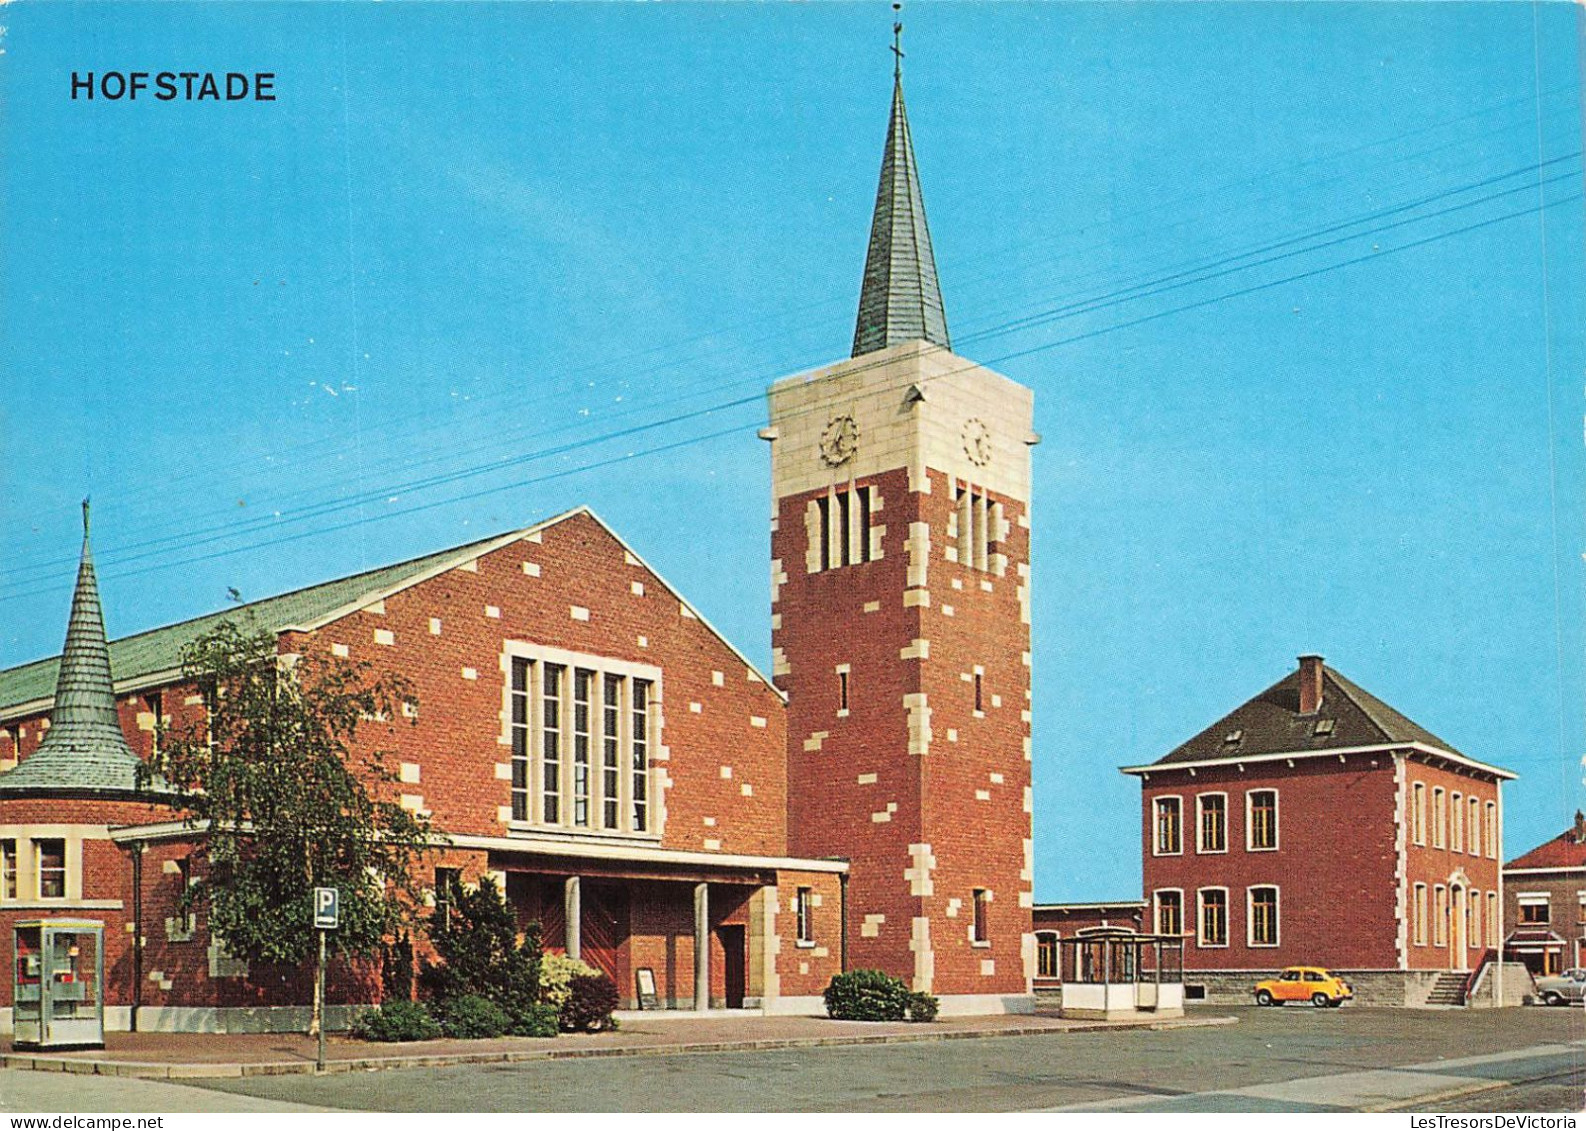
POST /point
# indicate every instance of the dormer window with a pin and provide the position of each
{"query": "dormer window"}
(1233, 738)
(1323, 728)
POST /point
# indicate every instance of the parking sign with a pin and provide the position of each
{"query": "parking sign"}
(327, 908)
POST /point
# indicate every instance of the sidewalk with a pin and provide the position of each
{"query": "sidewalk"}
(186, 1056)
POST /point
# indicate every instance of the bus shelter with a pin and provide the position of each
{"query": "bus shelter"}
(58, 984)
(1112, 973)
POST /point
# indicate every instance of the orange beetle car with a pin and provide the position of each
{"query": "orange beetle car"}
(1304, 983)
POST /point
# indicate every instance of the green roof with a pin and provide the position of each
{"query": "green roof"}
(144, 654)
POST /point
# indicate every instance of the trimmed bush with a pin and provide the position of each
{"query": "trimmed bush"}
(866, 995)
(537, 1020)
(396, 1021)
(557, 972)
(923, 1007)
(472, 1017)
(590, 1001)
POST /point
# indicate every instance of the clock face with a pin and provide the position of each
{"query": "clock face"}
(839, 441)
(977, 441)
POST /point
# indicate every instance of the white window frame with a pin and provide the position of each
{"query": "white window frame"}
(65, 870)
(1441, 914)
(1494, 924)
(1418, 812)
(1156, 827)
(537, 657)
(1456, 821)
(1473, 923)
(804, 917)
(1473, 829)
(1277, 819)
(1200, 809)
(1200, 919)
(1420, 913)
(10, 869)
(1156, 910)
(1492, 830)
(1250, 916)
(1439, 817)
(980, 917)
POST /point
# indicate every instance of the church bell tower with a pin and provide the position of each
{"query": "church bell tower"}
(901, 624)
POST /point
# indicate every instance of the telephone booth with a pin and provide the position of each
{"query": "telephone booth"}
(58, 984)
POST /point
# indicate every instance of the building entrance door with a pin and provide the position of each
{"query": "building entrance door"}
(734, 965)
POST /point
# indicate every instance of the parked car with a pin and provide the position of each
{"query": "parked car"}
(1304, 983)
(1561, 989)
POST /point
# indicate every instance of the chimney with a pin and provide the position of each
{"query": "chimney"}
(1580, 827)
(1310, 684)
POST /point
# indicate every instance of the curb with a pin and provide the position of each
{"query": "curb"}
(148, 1070)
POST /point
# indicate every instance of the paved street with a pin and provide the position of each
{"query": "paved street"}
(1274, 1060)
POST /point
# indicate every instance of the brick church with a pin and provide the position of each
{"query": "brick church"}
(631, 780)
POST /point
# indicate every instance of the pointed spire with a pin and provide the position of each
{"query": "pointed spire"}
(901, 299)
(84, 748)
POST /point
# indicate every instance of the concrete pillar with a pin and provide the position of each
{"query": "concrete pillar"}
(573, 905)
(702, 947)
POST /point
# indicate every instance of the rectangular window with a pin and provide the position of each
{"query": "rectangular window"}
(1418, 812)
(1419, 910)
(1169, 827)
(1046, 954)
(981, 929)
(155, 702)
(583, 684)
(641, 755)
(1492, 830)
(1264, 916)
(520, 739)
(551, 745)
(51, 857)
(1439, 916)
(184, 909)
(823, 505)
(1439, 818)
(1493, 923)
(1535, 910)
(447, 881)
(1474, 833)
(842, 691)
(1261, 820)
(1170, 913)
(806, 916)
(980, 693)
(1213, 822)
(1213, 917)
(8, 868)
(843, 517)
(1473, 919)
(979, 525)
(1456, 824)
(611, 752)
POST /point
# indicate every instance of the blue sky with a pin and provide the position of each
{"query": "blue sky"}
(1298, 287)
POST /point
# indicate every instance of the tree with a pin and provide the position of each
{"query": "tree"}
(293, 796)
(475, 935)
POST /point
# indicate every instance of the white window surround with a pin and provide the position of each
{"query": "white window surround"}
(1456, 821)
(1492, 830)
(1156, 909)
(1200, 808)
(1277, 819)
(1250, 916)
(1420, 911)
(1200, 919)
(1418, 813)
(538, 656)
(1156, 832)
(1439, 817)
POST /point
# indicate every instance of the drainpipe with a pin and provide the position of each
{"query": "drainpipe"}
(137, 932)
(1503, 913)
(842, 905)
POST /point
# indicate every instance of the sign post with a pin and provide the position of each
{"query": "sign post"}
(327, 917)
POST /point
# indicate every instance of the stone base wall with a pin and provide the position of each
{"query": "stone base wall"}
(1518, 986)
(1372, 987)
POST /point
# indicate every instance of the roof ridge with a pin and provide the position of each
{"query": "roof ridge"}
(1359, 696)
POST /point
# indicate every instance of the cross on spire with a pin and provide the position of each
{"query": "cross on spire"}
(897, 45)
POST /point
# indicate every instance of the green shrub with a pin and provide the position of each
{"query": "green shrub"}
(557, 972)
(538, 1020)
(396, 1021)
(472, 1017)
(866, 995)
(590, 1001)
(923, 1007)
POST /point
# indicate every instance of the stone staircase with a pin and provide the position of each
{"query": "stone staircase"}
(1448, 990)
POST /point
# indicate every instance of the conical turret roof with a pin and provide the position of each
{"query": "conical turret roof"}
(901, 299)
(84, 749)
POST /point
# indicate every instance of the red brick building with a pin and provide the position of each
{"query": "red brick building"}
(630, 779)
(1054, 921)
(1544, 903)
(1317, 825)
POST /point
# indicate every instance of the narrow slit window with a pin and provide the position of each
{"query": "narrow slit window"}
(842, 691)
(980, 698)
(641, 755)
(551, 745)
(982, 906)
(520, 739)
(8, 869)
